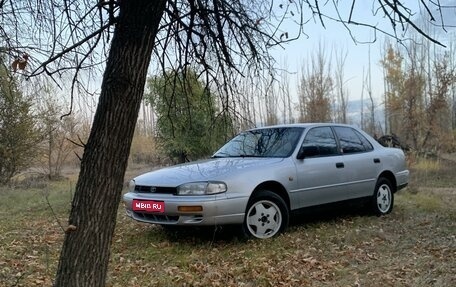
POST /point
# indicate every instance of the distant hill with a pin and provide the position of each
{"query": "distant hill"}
(354, 112)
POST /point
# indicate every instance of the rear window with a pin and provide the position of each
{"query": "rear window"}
(351, 141)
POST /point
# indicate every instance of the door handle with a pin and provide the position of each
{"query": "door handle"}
(340, 164)
(376, 160)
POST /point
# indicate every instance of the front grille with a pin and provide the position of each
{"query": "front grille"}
(157, 217)
(155, 189)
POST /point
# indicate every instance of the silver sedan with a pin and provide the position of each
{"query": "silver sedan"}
(260, 176)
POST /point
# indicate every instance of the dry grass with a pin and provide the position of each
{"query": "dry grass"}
(413, 246)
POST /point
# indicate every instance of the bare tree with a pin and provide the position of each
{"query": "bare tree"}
(419, 114)
(225, 38)
(58, 134)
(394, 81)
(340, 90)
(370, 126)
(453, 89)
(316, 89)
(285, 95)
(438, 135)
(271, 104)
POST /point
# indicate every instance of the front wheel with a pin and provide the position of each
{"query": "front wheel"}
(267, 214)
(383, 198)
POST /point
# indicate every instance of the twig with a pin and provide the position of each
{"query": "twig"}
(53, 212)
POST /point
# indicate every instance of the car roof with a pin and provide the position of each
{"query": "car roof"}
(302, 125)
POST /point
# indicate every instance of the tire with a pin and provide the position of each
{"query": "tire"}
(266, 215)
(383, 199)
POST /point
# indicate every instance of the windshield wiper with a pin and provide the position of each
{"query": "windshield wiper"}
(246, 155)
(219, 156)
(237, 155)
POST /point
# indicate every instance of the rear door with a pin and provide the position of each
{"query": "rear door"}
(360, 163)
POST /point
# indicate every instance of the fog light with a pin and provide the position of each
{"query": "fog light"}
(196, 208)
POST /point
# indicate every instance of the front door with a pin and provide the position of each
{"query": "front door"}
(322, 172)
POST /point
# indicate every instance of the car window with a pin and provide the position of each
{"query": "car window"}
(367, 145)
(352, 141)
(320, 141)
(267, 142)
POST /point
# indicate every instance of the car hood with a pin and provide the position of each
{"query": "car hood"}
(211, 169)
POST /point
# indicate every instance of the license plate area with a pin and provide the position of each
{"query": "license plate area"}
(148, 206)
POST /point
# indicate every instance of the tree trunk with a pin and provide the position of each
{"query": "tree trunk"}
(85, 252)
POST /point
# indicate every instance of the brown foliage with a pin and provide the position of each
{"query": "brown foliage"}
(20, 63)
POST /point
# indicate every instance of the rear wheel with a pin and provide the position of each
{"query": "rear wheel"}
(383, 199)
(267, 215)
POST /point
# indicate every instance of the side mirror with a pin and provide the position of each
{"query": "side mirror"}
(308, 151)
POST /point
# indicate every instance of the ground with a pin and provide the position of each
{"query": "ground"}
(415, 245)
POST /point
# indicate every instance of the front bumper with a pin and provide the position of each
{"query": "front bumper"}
(216, 209)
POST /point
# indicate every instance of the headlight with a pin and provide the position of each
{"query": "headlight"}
(131, 185)
(201, 188)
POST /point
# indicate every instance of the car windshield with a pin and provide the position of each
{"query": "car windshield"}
(267, 142)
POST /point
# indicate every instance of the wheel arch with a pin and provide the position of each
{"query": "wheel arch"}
(275, 187)
(390, 176)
